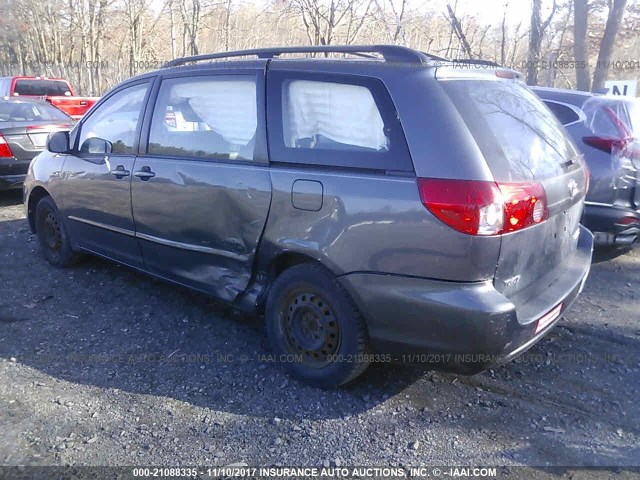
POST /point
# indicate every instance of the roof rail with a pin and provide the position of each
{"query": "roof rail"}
(390, 53)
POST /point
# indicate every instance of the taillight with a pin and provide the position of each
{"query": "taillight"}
(605, 144)
(627, 221)
(525, 205)
(484, 208)
(5, 150)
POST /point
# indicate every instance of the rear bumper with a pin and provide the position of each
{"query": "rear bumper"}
(604, 221)
(12, 173)
(10, 182)
(464, 327)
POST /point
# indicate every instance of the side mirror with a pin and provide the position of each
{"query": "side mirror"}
(58, 142)
(96, 145)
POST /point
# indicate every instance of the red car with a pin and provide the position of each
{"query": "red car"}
(56, 91)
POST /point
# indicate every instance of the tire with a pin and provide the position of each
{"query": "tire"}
(314, 327)
(52, 235)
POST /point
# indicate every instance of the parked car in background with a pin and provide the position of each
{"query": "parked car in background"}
(56, 91)
(24, 127)
(396, 204)
(607, 130)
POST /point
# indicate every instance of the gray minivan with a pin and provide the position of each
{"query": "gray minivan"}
(381, 205)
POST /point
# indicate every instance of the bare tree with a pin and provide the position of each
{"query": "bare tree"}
(190, 13)
(536, 35)
(97, 43)
(503, 36)
(227, 25)
(616, 10)
(322, 18)
(580, 23)
(397, 22)
(135, 10)
(456, 26)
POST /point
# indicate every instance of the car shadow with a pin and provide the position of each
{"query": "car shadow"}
(108, 326)
(10, 197)
(606, 254)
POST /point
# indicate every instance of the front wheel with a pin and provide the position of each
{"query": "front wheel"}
(315, 329)
(52, 236)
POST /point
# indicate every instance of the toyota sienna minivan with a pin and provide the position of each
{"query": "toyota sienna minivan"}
(374, 203)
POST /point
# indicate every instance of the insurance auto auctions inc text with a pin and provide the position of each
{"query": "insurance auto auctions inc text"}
(351, 472)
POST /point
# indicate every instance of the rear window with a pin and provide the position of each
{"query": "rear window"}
(20, 111)
(331, 116)
(519, 137)
(565, 114)
(53, 88)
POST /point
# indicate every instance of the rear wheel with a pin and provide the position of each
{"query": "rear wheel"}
(314, 327)
(52, 236)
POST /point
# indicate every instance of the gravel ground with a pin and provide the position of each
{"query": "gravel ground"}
(100, 365)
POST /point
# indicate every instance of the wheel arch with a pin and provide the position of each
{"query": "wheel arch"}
(273, 267)
(37, 194)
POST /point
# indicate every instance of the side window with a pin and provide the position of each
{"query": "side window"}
(334, 120)
(111, 128)
(331, 116)
(205, 117)
(563, 113)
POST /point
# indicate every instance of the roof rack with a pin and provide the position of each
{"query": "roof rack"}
(390, 53)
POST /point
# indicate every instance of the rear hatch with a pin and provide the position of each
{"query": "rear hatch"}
(525, 148)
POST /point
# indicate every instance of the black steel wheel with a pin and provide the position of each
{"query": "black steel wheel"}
(311, 328)
(314, 327)
(52, 236)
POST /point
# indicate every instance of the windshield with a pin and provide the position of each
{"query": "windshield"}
(518, 135)
(53, 88)
(14, 111)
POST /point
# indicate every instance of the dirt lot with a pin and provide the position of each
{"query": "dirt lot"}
(100, 365)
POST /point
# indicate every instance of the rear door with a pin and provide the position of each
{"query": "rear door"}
(523, 142)
(201, 187)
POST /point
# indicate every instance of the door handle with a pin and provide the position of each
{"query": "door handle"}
(120, 172)
(144, 174)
